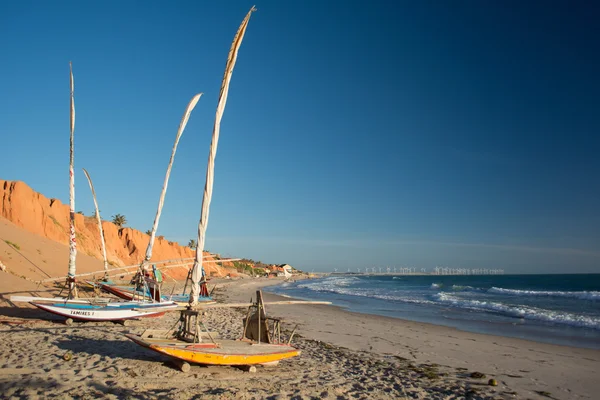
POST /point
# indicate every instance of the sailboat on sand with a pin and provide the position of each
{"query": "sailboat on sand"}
(92, 309)
(192, 342)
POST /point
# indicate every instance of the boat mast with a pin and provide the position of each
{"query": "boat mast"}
(161, 201)
(72, 243)
(102, 241)
(198, 270)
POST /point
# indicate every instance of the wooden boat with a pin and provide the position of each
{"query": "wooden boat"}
(191, 342)
(122, 292)
(221, 352)
(149, 290)
(130, 292)
(115, 311)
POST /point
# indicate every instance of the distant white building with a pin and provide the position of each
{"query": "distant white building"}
(287, 270)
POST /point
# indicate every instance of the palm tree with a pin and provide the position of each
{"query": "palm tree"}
(119, 220)
(149, 232)
(192, 244)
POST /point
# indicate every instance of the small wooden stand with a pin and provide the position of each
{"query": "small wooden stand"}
(190, 327)
(256, 324)
(71, 287)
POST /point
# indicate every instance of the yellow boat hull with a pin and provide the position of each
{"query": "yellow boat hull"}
(224, 352)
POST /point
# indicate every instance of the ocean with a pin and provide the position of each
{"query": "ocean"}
(559, 309)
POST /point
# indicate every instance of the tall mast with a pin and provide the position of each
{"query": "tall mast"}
(161, 201)
(102, 241)
(72, 243)
(198, 269)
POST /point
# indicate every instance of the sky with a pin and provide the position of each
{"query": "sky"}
(356, 134)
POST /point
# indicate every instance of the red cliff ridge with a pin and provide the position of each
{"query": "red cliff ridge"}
(49, 218)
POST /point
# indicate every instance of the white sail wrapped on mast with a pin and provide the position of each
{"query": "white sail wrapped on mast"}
(198, 269)
(102, 241)
(161, 201)
(72, 243)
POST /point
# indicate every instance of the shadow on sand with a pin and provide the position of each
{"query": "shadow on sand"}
(126, 349)
(95, 389)
(29, 313)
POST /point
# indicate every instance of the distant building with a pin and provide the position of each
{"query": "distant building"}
(286, 270)
(287, 267)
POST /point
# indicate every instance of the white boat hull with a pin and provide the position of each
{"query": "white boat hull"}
(106, 312)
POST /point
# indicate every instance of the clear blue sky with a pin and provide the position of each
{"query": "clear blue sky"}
(463, 134)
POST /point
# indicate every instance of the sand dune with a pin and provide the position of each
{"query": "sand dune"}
(49, 219)
(29, 258)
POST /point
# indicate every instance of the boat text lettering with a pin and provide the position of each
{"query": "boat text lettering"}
(83, 313)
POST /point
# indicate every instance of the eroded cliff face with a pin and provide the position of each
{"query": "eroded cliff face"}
(49, 218)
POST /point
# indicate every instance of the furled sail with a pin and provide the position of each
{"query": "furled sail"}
(102, 241)
(72, 243)
(182, 124)
(198, 269)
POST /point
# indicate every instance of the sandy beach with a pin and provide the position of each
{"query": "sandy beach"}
(452, 142)
(344, 355)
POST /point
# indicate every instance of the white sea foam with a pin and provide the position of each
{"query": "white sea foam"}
(582, 295)
(324, 285)
(401, 299)
(464, 297)
(340, 285)
(459, 288)
(521, 311)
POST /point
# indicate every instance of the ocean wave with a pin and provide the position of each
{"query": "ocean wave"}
(460, 288)
(582, 295)
(457, 288)
(327, 283)
(403, 299)
(339, 286)
(520, 311)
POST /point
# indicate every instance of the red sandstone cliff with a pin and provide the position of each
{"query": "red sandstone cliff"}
(49, 218)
